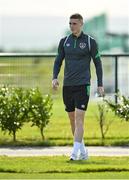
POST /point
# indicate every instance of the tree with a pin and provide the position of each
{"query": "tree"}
(103, 122)
(40, 109)
(13, 109)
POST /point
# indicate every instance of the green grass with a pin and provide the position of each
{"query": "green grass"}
(58, 131)
(61, 167)
(28, 72)
(31, 72)
(89, 175)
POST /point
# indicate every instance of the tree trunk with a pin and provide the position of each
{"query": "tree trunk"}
(101, 127)
(14, 136)
(41, 131)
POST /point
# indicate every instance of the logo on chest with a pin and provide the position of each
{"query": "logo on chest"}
(82, 45)
(67, 44)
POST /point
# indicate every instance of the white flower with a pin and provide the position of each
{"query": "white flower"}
(121, 110)
(17, 123)
(1, 112)
(23, 109)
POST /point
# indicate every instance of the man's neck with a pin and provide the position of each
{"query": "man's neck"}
(78, 34)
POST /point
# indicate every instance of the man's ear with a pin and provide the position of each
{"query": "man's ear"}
(81, 22)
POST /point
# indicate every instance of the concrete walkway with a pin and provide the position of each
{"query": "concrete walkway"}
(63, 150)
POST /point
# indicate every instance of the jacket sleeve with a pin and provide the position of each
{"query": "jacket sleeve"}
(59, 59)
(97, 61)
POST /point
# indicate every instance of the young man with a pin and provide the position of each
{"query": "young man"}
(77, 49)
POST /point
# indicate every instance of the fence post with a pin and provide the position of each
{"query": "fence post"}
(116, 77)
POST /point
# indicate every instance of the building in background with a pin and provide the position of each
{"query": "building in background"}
(111, 33)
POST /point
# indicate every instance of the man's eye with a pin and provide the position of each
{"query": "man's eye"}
(72, 23)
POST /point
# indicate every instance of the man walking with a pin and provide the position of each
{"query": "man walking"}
(77, 49)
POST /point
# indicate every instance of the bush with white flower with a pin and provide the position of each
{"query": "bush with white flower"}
(18, 105)
(40, 109)
(13, 109)
(121, 108)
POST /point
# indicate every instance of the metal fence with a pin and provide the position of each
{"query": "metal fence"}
(35, 69)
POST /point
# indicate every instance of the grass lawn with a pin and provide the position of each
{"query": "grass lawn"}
(61, 167)
(58, 130)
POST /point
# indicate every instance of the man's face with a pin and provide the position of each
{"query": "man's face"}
(75, 25)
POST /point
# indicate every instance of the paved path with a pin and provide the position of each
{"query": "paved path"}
(65, 150)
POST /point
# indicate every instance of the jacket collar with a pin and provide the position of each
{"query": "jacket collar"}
(81, 34)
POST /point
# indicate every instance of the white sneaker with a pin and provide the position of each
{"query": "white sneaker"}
(83, 156)
(73, 157)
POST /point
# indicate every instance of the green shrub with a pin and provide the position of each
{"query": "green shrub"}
(13, 109)
(18, 105)
(40, 109)
(121, 108)
(104, 123)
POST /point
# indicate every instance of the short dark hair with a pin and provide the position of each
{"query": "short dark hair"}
(76, 16)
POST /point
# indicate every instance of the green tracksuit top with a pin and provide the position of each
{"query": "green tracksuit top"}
(77, 52)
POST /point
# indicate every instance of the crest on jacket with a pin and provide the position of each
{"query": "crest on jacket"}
(82, 45)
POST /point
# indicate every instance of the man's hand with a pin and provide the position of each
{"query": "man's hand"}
(100, 91)
(55, 84)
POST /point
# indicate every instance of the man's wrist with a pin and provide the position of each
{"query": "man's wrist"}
(54, 78)
(100, 84)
